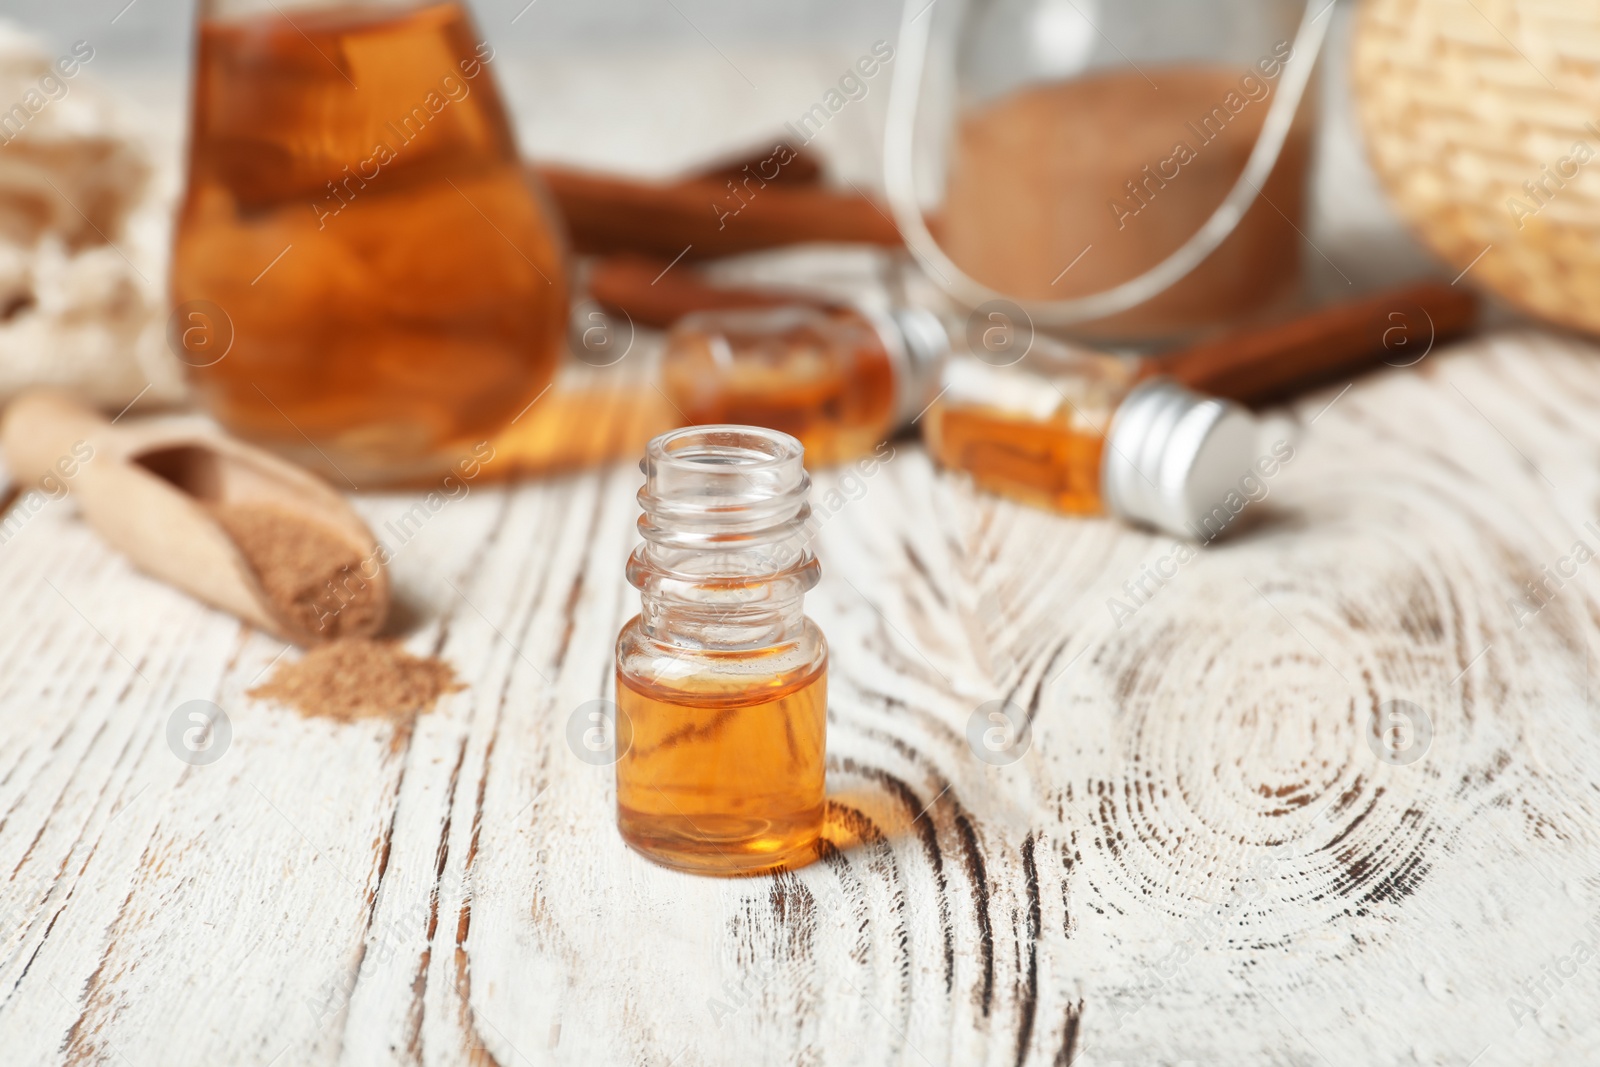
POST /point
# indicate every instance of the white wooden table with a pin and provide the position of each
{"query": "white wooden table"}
(1201, 857)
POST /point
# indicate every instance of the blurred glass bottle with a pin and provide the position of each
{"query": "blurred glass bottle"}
(365, 276)
(1129, 170)
(1087, 433)
(839, 379)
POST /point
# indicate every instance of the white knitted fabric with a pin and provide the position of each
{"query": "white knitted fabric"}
(81, 295)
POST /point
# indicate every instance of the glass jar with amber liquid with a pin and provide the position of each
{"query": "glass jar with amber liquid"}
(365, 277)
(722, 679)
(839, 379)
(1086, 433)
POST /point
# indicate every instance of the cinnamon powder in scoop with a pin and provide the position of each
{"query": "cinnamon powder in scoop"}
(360, 678)
(311, 574)
(308, 570)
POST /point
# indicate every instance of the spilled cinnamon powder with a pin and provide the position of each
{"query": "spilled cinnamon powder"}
(310, 572)
(360, 678)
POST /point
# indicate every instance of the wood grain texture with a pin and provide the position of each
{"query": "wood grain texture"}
(1199, 859)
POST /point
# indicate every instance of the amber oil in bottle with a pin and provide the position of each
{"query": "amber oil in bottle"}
(839, 379)
(1032, 429)
(1085, 433)
(721, 678)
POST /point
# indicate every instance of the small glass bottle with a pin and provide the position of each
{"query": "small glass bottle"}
(840, 379)
(721, 678)
(1086, 433)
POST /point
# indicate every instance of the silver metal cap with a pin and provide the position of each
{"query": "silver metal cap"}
(1173, 457)
(918, 344)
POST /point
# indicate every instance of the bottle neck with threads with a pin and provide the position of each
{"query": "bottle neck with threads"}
(725, 563)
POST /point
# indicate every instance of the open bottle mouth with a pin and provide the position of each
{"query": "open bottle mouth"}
(696, 456)
(725, 550)
(725, 490)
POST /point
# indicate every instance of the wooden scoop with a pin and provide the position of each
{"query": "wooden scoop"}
(149, 490)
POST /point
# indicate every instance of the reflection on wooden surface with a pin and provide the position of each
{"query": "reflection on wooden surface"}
(588, 417)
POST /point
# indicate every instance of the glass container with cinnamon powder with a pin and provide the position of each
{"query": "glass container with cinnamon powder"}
(364, 277)
(1080, 145)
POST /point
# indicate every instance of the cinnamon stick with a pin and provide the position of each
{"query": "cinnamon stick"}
(1262, 365)
(800, 167)
(702, 218)
(654, 292)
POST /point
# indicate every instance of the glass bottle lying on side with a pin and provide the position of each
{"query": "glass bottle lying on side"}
(1086, 433)
(722, 679)
(839, 379)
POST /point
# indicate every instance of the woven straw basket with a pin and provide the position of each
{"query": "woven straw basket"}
(1465, 101)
